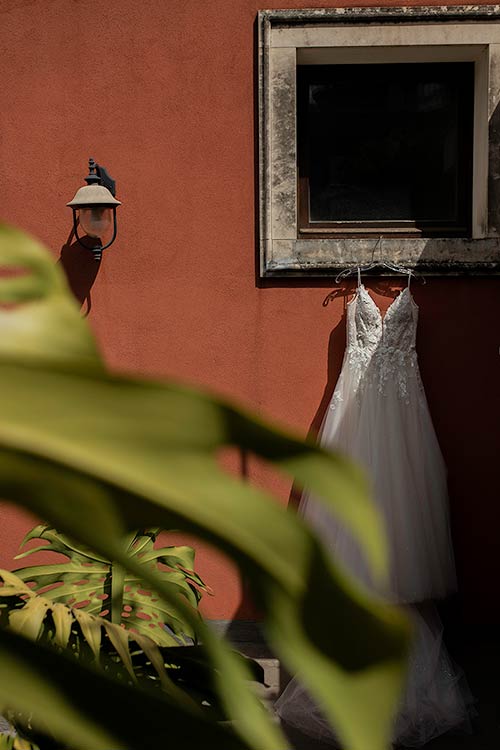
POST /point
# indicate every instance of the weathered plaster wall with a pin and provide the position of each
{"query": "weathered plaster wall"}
(162, 92)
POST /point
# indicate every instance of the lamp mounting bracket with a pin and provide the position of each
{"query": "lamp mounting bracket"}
(100, 176)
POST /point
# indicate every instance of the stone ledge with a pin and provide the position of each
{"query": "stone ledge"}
(247, 638)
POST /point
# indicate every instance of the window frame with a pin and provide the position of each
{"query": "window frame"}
(288, 38)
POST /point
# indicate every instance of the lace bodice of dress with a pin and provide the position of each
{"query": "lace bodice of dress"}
(382, 349)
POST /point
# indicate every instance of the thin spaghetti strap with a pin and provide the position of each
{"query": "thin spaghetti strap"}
(356, 293)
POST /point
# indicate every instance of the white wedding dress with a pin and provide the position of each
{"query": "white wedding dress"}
(379, 416)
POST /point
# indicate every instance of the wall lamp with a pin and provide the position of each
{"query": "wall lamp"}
(94, 208)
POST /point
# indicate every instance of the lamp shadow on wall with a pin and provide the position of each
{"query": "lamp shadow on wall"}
(80, 268)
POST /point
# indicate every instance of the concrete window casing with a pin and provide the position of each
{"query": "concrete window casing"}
(288, 38)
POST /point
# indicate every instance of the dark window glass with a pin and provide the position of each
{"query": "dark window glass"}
(386, 146)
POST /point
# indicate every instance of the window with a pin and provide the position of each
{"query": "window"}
(379, 122)
(396, 159)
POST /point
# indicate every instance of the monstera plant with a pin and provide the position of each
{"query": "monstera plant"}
(99, 455)
(92, 584)
(78, 605)
(181, 673)
(90, 637)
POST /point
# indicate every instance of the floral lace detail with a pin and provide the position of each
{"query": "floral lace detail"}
(395, 365)
(381, 351)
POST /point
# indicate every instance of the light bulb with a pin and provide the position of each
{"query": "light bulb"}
(95, 221)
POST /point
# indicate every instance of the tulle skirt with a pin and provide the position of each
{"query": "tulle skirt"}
(436, 698)
(384, 424)
(389, 431)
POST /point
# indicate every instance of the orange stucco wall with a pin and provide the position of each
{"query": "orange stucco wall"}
(162, 93)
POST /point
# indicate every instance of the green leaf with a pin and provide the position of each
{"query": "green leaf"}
(46, 322)
(117, 584)
(12, 585)
(63, 620)
(86, 709)
(375, 631)
(173, 556)
(97, 585)
(132, 453)
(55, 626)
(28, 620)
(58, 543)
(177, 557)
(120, 640)
(91, 629)
(11, 742)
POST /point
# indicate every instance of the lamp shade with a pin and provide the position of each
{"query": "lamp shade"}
(93, 195)
(95, 220)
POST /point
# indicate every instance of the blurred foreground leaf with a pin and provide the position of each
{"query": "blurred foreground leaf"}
(98, 455)
(87, 710)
